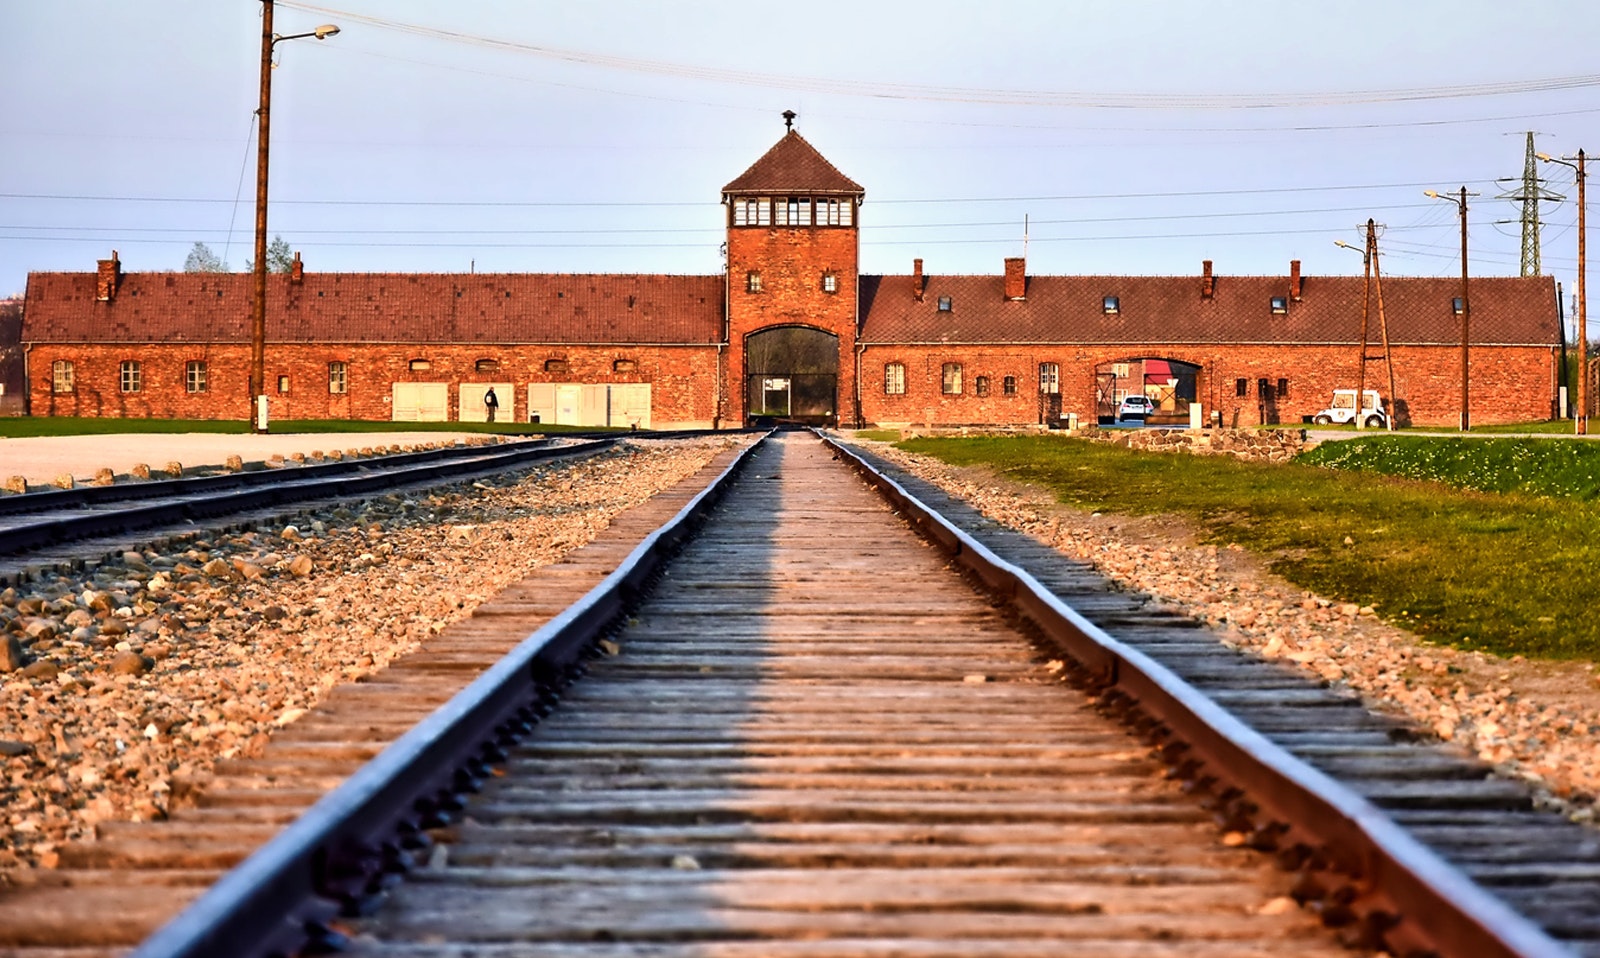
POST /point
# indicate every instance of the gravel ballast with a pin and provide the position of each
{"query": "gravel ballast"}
(124, 683)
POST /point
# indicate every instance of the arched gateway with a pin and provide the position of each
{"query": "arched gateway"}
(793, 289)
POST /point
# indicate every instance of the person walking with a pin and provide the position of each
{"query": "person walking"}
(491, 403)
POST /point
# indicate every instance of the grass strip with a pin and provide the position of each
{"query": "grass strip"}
(26, 427)
(1507, 574)
(1538, 467)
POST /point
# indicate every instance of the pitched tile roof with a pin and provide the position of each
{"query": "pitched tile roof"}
(379, 308)
(1169, 309)
(793, 166)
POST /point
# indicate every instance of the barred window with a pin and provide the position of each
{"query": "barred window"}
(194, 376)
(338, 378)
(894, 379)
(1049, 378)
(61, 376)
(130, 376)
(950, 379)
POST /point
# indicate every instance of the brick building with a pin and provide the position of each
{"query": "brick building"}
(790, 330)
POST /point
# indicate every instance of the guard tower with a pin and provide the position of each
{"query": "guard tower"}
(793, 255)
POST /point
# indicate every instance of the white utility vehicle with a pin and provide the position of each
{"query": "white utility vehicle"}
(1343, 409)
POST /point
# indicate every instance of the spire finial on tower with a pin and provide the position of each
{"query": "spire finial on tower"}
(788, 119)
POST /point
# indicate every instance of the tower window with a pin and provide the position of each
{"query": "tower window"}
(486, 366)
(1241, 387)
(833, 212)
(792, 211)
(752, 281)
(752, 211)
(830, 283)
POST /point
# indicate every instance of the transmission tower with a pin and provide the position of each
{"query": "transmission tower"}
(1530, 195)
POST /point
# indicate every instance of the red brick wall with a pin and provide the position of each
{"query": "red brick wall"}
(683, 378)
(792, 262)
(1509, 384)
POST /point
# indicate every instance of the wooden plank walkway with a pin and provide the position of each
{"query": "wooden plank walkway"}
(817, 740)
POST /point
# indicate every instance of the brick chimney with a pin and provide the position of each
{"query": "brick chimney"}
(1016, 278)
(1208, 284)
(108, 278)
(1294, 280)
(297, 270)
(916, 279)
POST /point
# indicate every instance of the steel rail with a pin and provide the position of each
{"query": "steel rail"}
(348, 845)
(203, 498)
(1438, 907)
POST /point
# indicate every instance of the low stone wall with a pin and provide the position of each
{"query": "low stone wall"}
(1259, 445)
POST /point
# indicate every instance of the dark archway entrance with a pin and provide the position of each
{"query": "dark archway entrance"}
(792, 376)
(1169, 383)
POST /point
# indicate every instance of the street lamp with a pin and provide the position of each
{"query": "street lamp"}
(1581, 420)
(1466, 307)
(258, 316)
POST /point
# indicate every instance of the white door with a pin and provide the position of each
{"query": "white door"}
(630, 405)
(569, 397)
(594, 405)
(472, 409)
(420, 402)
(542, 402)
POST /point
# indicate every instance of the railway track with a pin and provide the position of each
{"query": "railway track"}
(814, 738)
(59, 527)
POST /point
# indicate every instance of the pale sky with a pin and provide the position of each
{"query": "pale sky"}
(1136, 136)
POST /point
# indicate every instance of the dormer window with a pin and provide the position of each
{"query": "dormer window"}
(1110, 305)
(830, 283)
(1280, 305)
(1457, 306)
(752, 281)
(945, 305)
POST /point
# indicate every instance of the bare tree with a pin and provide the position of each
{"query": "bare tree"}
(202, 260)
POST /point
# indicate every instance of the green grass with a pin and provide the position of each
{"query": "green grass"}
(23, 427)
(1558, 427)
(1506, 574)
(1538, 467)
(879, 435)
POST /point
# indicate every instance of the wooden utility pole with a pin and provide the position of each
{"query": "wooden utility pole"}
(1383, 324)
(1366, 307)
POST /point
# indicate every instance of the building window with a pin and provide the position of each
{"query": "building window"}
(420, 365)
(1241, 387)
(338, 378)
(486, 366)
(130, 376)
(1263, 389)
(61, 376)
(1008, 385)
(194, 376)
(830, 283)
(752, 211)
(752, 281)
(283, 385)
(555, 365)
(945, 305)
(1280, 305)
(1456, 305)
(1283, 388)
(833, 212)
(624, 366)
(792, 211)
(894, 379)
(980, 385)
(950, 380)
(1111, 305)
(1049, 378)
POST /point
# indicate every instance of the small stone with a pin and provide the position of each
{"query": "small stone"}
(78, 618)
(135, 560)
(11, 655)
(174, 469)
(234, 463)
(300, 566)
(9, 749)
(140, 470)
(217, 568)
(16, 484)
(291, 533)
(64, 481)
(975, 679)
(129, 662)
(609, 647)
(103, 477)
(44, 670)
(1281, 905)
